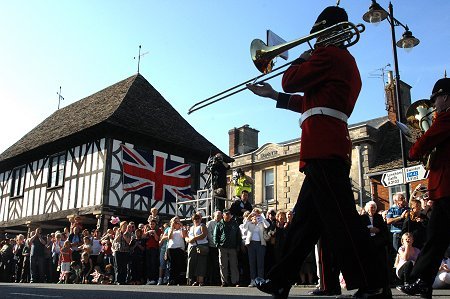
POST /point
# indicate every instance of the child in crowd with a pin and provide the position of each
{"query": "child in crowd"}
(86, 246)
(442, 279)
(75, 273)
(97, 275)
(86, 267)
(153, 216)
(406, 257)
(108, 276)
(75, 222)
(65, 260)
(107, 251)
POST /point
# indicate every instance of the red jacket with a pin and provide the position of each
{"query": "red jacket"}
(330, 78)
(438, 136)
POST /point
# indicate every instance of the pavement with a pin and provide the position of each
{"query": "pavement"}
(87, 291)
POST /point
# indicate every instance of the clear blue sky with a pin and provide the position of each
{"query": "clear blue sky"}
(196, 49)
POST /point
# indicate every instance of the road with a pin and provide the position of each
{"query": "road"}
(42, 291)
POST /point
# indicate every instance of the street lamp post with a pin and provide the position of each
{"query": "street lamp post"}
(377, 14)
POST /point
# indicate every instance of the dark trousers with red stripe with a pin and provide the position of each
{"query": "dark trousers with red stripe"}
(438, 240)
(326, 207)
(328, 266)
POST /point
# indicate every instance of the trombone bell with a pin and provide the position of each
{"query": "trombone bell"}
(258, 50)
(344, 33)
(419, 117)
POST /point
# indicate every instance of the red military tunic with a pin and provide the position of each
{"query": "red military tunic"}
(438, 136)
(330, 78)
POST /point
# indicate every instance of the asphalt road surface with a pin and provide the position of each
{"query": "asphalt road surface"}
(87, 291)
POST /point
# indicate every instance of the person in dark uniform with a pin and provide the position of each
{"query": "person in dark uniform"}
(219, 180)
(438, 234)
(330, 82)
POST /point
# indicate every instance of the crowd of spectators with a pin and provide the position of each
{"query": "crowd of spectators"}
(231, 249)
(407, 222)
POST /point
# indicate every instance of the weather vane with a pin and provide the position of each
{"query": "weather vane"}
(139, 57)
(60, 97)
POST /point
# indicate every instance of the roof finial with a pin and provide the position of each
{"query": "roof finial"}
(337, 2)
(445, 73)
(60, 97)
(139, 57)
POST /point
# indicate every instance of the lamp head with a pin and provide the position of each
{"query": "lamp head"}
(408, 41)
(375, 14)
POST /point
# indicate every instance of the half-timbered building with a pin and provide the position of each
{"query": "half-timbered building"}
(73, 162)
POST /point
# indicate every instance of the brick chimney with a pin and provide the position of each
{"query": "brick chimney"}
(242, 140)
(233, 139)
(391, 103)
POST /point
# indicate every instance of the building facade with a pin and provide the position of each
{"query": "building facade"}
(120, 151)
(274, 167)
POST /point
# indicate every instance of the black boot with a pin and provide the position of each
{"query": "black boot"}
(268, 286)
(419, 287)
(319, 292)
(365, 293)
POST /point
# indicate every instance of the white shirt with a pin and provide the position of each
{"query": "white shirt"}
(56, 247)
(177, 240)
(255, 234)
(211, 226)
(197, 231)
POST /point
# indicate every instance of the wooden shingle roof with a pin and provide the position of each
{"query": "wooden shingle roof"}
(131, 110)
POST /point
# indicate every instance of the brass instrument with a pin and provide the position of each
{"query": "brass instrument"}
(345, 33)
(421, 193)
(419, 118)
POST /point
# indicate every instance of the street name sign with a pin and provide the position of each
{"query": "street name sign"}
(393, 178)
(404, 176)
(415, 173)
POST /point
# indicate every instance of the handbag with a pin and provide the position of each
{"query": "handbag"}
(202, 249)
(266, 235)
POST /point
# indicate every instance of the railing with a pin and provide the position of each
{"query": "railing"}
(204, 202)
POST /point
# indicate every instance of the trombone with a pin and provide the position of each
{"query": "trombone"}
(345, 33)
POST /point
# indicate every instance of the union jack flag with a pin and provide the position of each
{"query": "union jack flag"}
(155, 176)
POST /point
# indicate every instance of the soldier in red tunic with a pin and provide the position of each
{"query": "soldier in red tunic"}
(438, 233)
(330, 82)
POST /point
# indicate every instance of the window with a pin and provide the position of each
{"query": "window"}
(268, 185)
(56, 170)
(17, 181)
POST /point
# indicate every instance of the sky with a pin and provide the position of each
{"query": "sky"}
(196, 49)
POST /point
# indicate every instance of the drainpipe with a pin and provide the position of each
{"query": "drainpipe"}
(360, 176)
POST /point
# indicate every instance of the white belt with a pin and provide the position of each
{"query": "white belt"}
(323, 111)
